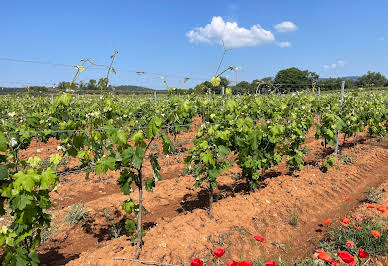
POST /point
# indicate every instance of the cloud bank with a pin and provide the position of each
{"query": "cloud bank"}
(231, 34)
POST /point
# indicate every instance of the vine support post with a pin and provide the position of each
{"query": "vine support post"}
(223, 93)
(155, 97)
(354, 140)
(52, 99)
(140, 217)
(337, 139)
(319, 96)
(211, 192)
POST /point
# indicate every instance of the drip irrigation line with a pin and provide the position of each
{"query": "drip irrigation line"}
(102, 129)
(65, 173)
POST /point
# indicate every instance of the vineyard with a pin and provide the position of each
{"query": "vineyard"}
(134, 179)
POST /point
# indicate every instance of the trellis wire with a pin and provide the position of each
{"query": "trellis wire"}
(87, 130)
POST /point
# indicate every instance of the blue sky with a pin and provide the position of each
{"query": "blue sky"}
(332, 38)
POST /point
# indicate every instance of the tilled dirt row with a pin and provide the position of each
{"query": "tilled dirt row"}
(179, 229)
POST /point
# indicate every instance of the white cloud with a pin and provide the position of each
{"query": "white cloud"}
(283, 44)
(339, 63)
(381, 39)
(286, 26)
(231, 34)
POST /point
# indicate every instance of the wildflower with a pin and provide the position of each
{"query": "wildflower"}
(362, 254)
(325, 257)
(327, 221)
(196, 262)
(349, 243)
(382, 209)
(347, 258)
(358, 218)
(218, 252)
(375, 233)
(371, 206)
(345, 221)
(232, 263)
(357, 227)
(259, 238)
(346, 198)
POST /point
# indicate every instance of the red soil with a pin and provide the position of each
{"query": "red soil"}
(178, 228)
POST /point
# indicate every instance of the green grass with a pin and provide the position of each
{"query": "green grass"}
(77, 214)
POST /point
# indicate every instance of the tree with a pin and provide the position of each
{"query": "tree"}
(64, 85)
(371, 79)
(82, 85)
(200, 89)
(243, 87)
(102, 84)
(92, 85)
(294, 79)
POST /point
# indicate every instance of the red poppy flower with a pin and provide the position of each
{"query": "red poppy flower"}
(245, 263)
(357, 227)
(232, 263)
(327, 221)
(218, 252)
(259, 238)
(270, 263)
(375, 233)
(325, 257)
(349, 243)
(382, 209)
(345, 221)
(319, 251)
(346, 198)
(347, 258)
(371, 206)
(196, 262)
(358, 218)
(362, 254)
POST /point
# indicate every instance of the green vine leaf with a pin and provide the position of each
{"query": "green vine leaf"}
(48, 178)
(104, 164)
(3, 142)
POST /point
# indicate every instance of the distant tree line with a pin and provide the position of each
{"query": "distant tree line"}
(293, 80)
(90, 87)
(286, 81)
